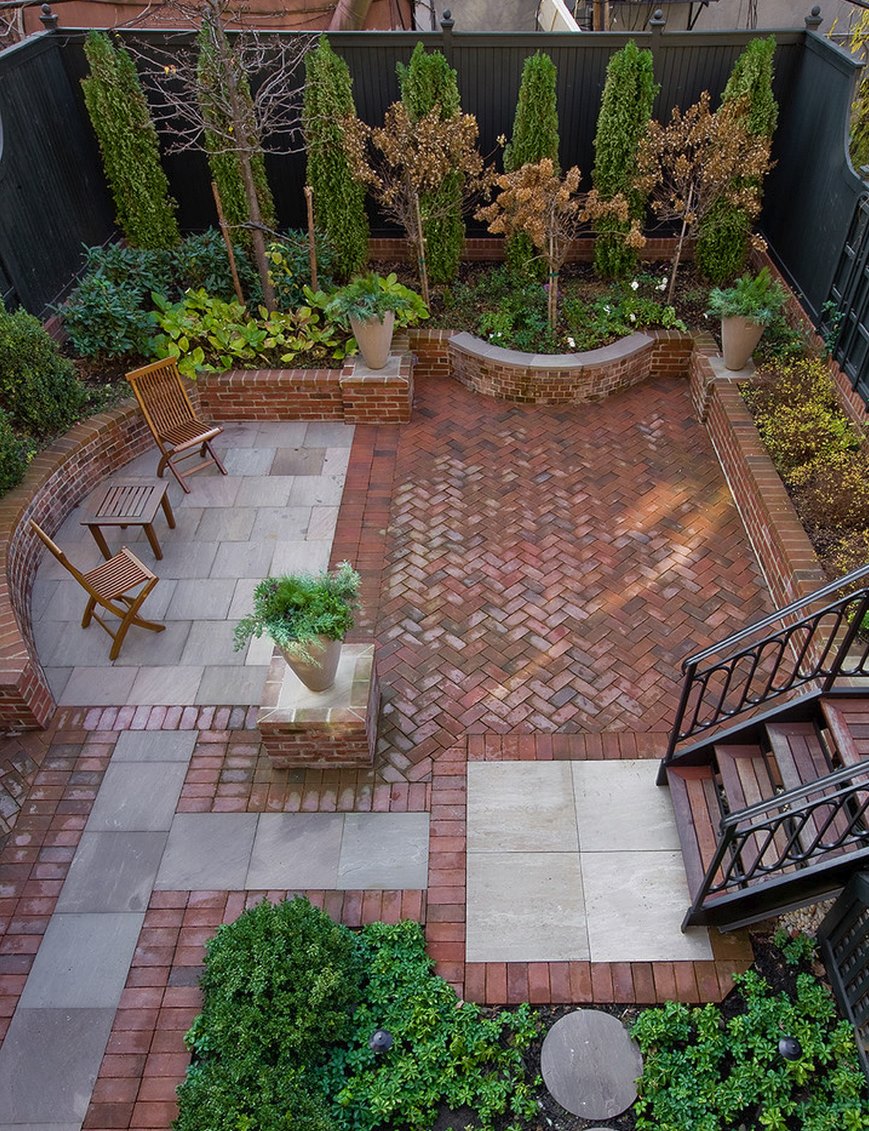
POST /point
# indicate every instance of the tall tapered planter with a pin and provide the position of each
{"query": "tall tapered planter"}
(739, 337)
(317, 674)
(374, 337)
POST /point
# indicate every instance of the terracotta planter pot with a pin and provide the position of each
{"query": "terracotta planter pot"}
(739, 336)
(374, 336)
(320, 675)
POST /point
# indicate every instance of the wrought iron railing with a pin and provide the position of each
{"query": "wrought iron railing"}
(761, 663)
(801, 830)
(844, 939)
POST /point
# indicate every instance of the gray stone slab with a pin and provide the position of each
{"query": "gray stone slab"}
(205, 599)
(167, 686)
(65, 644)
(236, 686)
(210, 643)
(82, 961)
(618, 805)
(521, 806)
(300, 557)
(83, 552)
(137, 797)
(66, 600)
(49, 1064)
(316, 490)
(243, 559)
(220, 524)
(384, 850)
(590, 1065)
(337, 461)
(112, 872)
(41, 597)
(322, 522)
(154, 746)
(211, 491)
(298, 461)
(260, 651)
(326, 434)
(242, 597)
(207, 852)
(41, 1126)
(525, 907)
(264, 491)
(635, 903)
(57, 680)
(280, 524)
(240, 434)
(155, 648)
(98, 687)
(282, 434)
(185, 558)
(296, 850)
(249, 461)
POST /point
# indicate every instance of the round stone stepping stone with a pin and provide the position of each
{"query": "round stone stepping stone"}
(590, 1065)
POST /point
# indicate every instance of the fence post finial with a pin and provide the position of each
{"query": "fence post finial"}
(658, 22)
(447, 23)
(48, 18)
(813, 19)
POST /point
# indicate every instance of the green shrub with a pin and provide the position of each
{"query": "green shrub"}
(621, 311)
(428, 81)
(119, 114)
(201, 261)
(339, 200)
(626, 108)
(39, 389)
(290, 266)
(722, 242)
(444, 1052)
(106, 319)
(716, 1071)
(14, 455)
(535, 136)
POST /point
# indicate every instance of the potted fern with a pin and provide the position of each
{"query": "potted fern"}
(372, 304)
(745, 310)
(307, 615)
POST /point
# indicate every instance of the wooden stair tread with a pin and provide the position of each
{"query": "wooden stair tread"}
(848, 722)
(745, 774)
(694, 794)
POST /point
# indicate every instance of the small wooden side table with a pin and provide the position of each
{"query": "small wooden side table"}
(128, 502)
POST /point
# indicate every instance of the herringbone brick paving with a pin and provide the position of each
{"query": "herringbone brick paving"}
(547, 569)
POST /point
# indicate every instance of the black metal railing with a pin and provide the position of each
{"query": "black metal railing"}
(798, 831)
(755, 666)
(844, 939)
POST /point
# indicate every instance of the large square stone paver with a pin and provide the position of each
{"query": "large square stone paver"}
(137, 797)
(619, 806)
(154, 746)
(635, 903)
(520, 806)
(207, 852)
(49, 1063)
(82, 961)
(384, 851)
(525, 907)
(296, 850)
(112, 872)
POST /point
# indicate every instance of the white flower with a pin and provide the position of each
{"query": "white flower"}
(571, 343)
(635, 286)
(607, 310)
(662, 287)
(632, 317)
(664, 281)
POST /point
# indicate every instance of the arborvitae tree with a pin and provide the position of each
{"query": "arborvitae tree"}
(722, 242)
(127, 138)
(626, 108)
(535, 136)
(428, 81)
(339, 199)
(225, 163)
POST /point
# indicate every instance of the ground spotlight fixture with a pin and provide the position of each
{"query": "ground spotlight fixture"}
(381, 1041)
(790, 1048)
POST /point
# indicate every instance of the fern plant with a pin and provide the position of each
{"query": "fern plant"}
(339, 199)
(128, 144)
(626, 109)
(427, 83)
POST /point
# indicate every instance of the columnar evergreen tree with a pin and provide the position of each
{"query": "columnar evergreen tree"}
(128, 143)
(427, 83)
(722, 242)
(535, 136)
(626, 108)
(339, 199)
(224, 162)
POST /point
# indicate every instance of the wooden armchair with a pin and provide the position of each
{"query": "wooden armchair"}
(112, 586)
(169, 414)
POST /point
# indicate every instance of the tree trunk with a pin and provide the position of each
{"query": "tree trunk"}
(679, 242)
(256, 234)
(420, 243)
(552, 303)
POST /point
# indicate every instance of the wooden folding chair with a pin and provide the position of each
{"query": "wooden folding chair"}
(169, 414)
(111, 585)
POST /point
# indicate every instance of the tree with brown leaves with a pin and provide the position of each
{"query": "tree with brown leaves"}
(697, 161)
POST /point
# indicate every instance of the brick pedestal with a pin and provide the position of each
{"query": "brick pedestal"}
(325, 729)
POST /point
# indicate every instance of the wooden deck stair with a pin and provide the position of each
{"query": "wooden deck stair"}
(801, 855)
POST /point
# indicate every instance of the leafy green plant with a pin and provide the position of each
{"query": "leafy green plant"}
(372, 296)
(428, 84)
(796, 949)
(535, 135)
(715, 1071)
(290, 268)
(39, 389)
(201, 261)
(119, 114)
(105, 319)
(829, 325)
(339, 199)
(519, 320)
(15, 454)
(444, 1052)
(622, 310)
(757, 298)
(723, 237)
(297, 608)
(626, 108)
